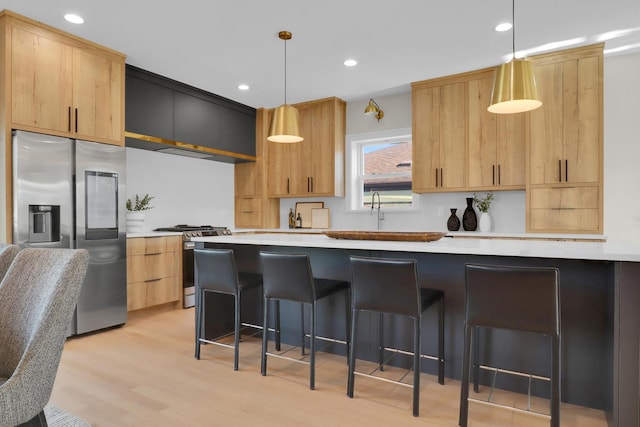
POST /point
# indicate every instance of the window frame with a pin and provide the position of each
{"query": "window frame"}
(354, 173)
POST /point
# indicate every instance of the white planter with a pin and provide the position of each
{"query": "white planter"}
(135, 221)
(484, 223)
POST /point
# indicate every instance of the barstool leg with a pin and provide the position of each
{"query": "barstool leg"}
(416, 366)
(347, 316)
(237, 332)
(302, 327)
(476, 359)
(263, 360)
(199, 304)
(464, 386)
(555, 381)
(381, 348)
(352, 355)
(312, 374)
(441, 342)
(276, 302)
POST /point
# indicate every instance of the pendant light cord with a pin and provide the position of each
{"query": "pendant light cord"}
(285, 71)
(513, 23)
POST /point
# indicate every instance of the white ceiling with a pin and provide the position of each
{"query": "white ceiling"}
(216, 45)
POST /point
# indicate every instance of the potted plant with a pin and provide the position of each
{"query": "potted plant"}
(484, 204)
(135, 212)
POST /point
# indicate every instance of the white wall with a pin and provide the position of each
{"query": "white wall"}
(187, 191)
(622, 148)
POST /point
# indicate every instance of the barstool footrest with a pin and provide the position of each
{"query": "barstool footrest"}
(409, 353)
(362, 374)
(520, 374)
(291, 359)
(511, 408)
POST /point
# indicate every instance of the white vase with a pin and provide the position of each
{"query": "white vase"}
(135, 221)
(484, 222)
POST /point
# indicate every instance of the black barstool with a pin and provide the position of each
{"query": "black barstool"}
(514, 298)
(288, 276)
(215, 271)
(391, 286)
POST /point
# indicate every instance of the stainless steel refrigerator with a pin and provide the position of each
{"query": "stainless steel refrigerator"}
(71, 194)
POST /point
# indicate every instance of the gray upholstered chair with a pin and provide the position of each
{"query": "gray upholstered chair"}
(37, 298)
(7, 254)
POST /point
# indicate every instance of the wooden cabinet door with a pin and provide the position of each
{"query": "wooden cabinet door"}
(301, 152)
(483, 145)
(278, 171)
(426, 142)
(97, 94)
(511, 139)
(581, 103)
(452, 136)
(323, 150)
(246, 179)
(41, 68)
(547, 127)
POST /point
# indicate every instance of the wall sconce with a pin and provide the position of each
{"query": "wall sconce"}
(374, 110)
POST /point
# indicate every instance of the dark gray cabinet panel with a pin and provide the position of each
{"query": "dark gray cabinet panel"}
(149, 109)
(159, 107)
(197, 121)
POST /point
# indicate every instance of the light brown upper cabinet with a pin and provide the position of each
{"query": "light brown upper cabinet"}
(565, 185)
(439, 136)
(496, 142)
(253, 207)
(63, 85)
(315, 166)
(565, 131)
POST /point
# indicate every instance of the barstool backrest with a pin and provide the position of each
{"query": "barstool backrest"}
(520, 298)
(287, 276)
(385, 285)
(215, 269)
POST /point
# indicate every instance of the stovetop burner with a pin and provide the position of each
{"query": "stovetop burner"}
(189, 231)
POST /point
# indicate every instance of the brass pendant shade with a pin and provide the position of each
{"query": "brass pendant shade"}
(514, 88)
(285, 125)
(285, 122)
(514, 84)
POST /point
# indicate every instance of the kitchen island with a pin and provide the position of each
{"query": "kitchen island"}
(599, 296)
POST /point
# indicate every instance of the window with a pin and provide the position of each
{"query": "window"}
(380, 162)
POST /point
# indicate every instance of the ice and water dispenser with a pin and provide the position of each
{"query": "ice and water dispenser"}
(44, 223)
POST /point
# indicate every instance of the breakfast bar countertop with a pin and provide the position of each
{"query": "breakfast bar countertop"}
(583, 250)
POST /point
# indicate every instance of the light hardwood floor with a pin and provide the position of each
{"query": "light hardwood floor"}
(144, 374)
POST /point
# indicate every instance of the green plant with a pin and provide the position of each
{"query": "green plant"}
(140, 204)
(484, 203)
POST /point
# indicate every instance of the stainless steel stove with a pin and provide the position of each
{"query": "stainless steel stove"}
(189, 232)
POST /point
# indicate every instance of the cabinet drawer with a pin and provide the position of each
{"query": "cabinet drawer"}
(565, 198)
(146, 245)
(553, 220)
(142, 268)
(146, 294)
(248, 211)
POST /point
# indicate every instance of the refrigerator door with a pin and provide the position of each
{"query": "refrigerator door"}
(101, 228)
(42, 190)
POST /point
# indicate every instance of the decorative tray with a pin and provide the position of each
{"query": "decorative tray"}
(404, 236)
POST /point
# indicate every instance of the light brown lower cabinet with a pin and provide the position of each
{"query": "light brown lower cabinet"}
(154, 271)
(561, 209)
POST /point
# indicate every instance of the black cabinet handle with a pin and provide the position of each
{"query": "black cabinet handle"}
(69, 119)
(152, 280)
(76, 120)
(493, 174)
(441, 180)
(499, 177)
(287, 185)
(308, 185)
(311, 184)
(560, 170)
(566, 170)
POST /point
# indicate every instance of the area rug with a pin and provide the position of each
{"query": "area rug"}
(57, 417)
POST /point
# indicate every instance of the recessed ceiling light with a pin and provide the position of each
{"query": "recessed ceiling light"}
(505, 26)
(73, 18)
(350, 62)
(243, 87)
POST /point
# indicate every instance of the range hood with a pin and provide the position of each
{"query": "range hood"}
(161, 145)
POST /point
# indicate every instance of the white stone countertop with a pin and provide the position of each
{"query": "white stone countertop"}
(584, 250)
(153, 234)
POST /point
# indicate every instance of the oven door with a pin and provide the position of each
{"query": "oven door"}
(188, 276)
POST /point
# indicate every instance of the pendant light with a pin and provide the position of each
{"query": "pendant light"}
(285, 123)
(514, 84)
